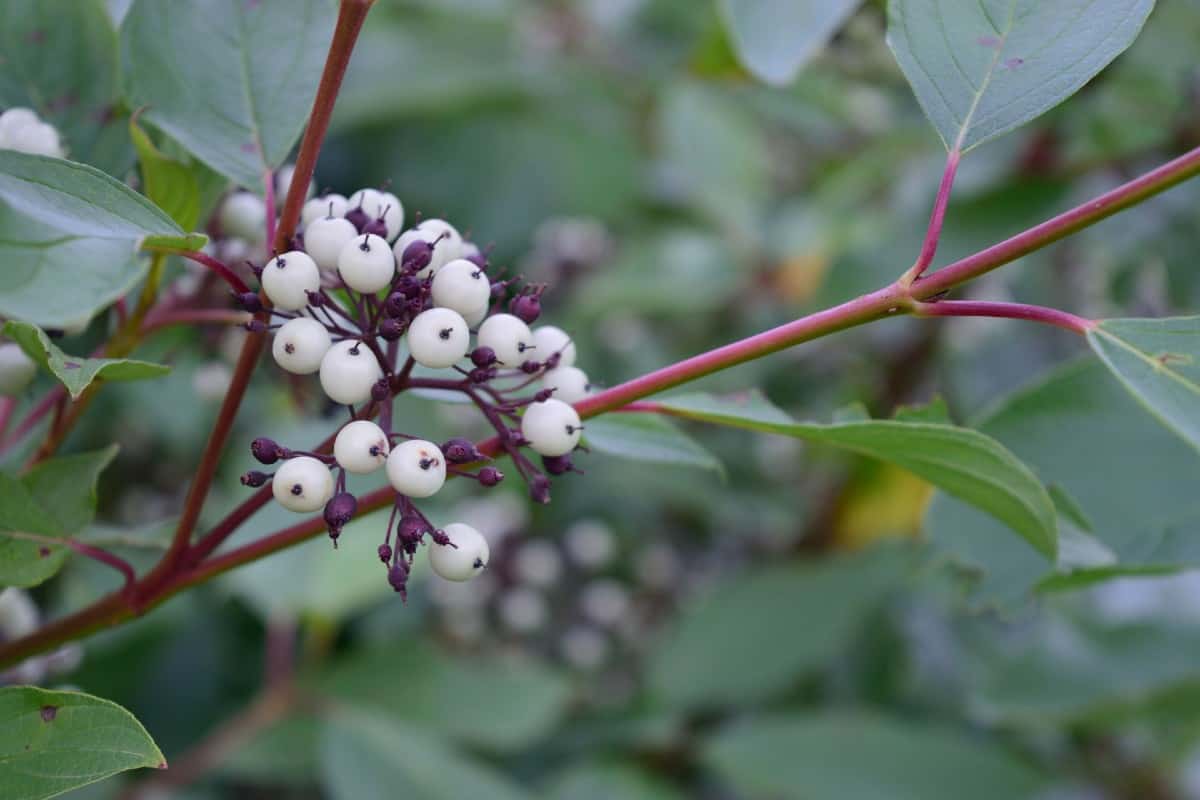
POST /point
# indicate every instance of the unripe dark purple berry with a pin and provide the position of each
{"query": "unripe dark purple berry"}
(375, 226)
(398, 577)
(557, 465)
(391, 329)
(416, 256)
(385, 553)
(249, 301)
(381, 390)
(255, 479)
(483, 356)
(490, 476)
(338, 511)
(531, 367)
(266, 451)
(539, 489)
(357, 217)
(412, 528)
(395, 305)
(481, 375)
(410, 286)
(461, 451)
(526, 307)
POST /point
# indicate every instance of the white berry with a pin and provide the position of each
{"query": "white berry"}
(451, 239)
(288, 278)
(324, 239)
(570, 384)
(509, 338)
(283, 184)
(16, 369)
(302, 484)
(36, 138)
(438, 338)
(465, 557)
(300, 345)
(16, 118)
(348, 371)
(442, 250)
(549, 340)
(244, 214)
(551, 427)
(330, 205)
(416, 468)
(366, 263)
(361, 447)
(462, 286)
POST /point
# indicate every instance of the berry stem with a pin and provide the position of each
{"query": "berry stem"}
(218, 268)
(933, 233)
(95, 553)
(193, 316)
(978, 308)
(162, 584)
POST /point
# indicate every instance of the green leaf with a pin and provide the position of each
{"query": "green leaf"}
(961, 461)
(589, 781)
(170, 184)
(1158, 360)
(487, 703)
(231, 96)
(59, 57)
(754, 635)
(77, 373)
(56, 498)
(52, 742)
(368, 757)
(642, 437)
(80, 199)
(980, 69)
(57, 280)
(774, 39)
(849, 756)
(1130, 480)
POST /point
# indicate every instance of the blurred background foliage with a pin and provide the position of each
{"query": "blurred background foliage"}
(794, 623)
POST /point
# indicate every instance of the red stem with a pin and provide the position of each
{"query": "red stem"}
(194, 316)
(979, 308)
(226, 274)
(933, 233)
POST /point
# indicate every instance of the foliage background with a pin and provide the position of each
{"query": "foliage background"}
(795, 623)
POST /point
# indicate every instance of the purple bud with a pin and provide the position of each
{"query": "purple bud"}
(440, 537)
(381, 390)
(256, 326)
(557, 465)
(461, 451)
(358, 218)
(249, 301)
(412, 528)
(385, 553)
(375, 226)
(490, 476)
(266, 451)
(398, 578)
(483, 356)
(478, 259)
(482, 375)
(417, 256)
(526, 307)
(391, 329)
(539, 489)
(543, 395)
(395, 304)
(531, 367)
(410, 285)
(255, 479)
(340, 510)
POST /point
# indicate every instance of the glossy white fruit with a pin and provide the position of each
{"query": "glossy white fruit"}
(551, 427)
(464, 558)
(324, 239)
(330, 205)
(244, 214)
(299, 345)
(302, 484)
(463, 287)
(348, 371)
(36, 138)
(451, 239)
(288, 278)
(16, 369)
(416, 468)
(570, 384)
(361, 447)
(509, 338)
(438, 338)
(366, 263)
(547, 340)
(16, 118)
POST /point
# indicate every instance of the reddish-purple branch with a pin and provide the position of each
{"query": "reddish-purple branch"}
(979, 308)
(225, 273)
(933, 234)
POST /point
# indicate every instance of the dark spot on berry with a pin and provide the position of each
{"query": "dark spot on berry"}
(289, 348)
(444, 334)
(280, 263)
(297, 489)
(478, 563)
(49, 713)
(426, 463)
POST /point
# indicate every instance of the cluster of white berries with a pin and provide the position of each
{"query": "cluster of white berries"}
(22, 130)
(355, 284)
